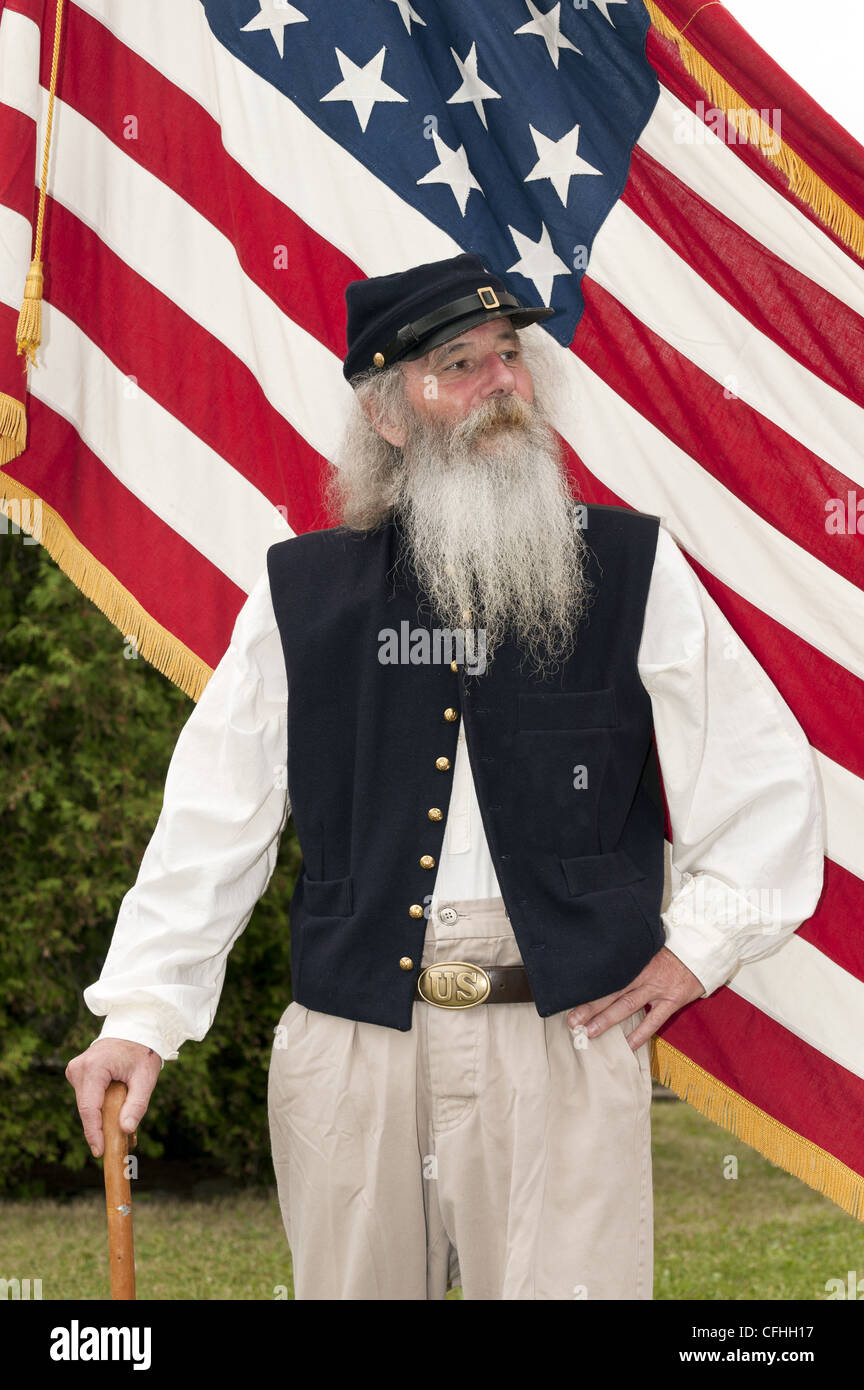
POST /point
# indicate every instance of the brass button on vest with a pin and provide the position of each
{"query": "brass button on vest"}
(416, 910)
(406, 963)
(434, 813)
(427, 862)
(442, 764)
(454, 665)
(450, 714)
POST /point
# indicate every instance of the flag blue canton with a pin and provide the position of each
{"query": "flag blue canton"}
(510, 126)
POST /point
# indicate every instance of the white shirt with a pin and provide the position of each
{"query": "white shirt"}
(745, 867)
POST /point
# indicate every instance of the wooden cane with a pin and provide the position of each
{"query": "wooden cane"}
(118, 1194)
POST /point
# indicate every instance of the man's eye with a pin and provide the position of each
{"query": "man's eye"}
(461, 363)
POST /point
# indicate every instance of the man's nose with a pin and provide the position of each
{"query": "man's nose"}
(498, 379)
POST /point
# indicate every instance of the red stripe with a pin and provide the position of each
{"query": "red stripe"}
(770, 471)
(835, 927)
(176, 362)
(35, 10)
(307, 280)
(775, 1070)
(810, 324)
(171, 580)
(805, 127)
(18, 133)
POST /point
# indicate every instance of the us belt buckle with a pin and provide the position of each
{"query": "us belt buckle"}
(454, 984)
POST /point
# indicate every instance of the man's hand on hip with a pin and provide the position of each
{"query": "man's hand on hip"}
(663, 987)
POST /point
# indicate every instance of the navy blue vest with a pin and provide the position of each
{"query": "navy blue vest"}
(575, 838)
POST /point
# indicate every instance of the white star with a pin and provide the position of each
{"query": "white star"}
(537, 261)
(558, 161)
(362, 86)
(408, 14)
(453, 170)
(603, 7)
(472, 89)
(548, 27)
(274, 15)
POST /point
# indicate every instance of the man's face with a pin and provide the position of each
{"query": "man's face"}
(480, 490)
(458, 376)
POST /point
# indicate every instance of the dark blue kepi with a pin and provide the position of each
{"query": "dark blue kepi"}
(399, 317)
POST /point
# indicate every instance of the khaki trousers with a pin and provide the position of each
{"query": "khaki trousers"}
(481, 1147)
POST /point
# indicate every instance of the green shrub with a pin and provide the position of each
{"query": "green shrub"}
(86, 735)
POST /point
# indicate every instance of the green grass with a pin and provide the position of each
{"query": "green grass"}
(762, 1235)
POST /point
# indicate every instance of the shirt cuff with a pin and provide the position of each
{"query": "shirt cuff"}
(135, 1025)
(704, 923)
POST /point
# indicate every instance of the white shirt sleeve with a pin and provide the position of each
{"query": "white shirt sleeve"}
(741, 783)
(213, 850)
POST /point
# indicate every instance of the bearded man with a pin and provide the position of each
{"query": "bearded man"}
(467, 672)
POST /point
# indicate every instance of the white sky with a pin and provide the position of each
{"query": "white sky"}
(820, 43)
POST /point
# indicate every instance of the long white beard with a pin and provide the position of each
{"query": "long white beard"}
(491, 530)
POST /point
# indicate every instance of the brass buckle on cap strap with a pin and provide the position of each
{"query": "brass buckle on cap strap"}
(454, 984)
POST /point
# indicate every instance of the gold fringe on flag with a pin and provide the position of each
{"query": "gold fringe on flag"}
(13, 428)
(804, 182)
(154, 642)
(775, 1141)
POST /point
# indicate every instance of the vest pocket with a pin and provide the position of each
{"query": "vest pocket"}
(329, 897)
(593, 873)
(562, 710)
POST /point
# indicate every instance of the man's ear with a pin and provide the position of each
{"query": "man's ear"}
(392, 430)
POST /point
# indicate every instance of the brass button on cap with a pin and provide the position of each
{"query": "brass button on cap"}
(427, 862)
(450, 714)
(442, 764)
(406, 963)
(378, 359)
(416, 910)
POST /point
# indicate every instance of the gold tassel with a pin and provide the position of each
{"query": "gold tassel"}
(29, 332)
(775, 1141)
(803, 181)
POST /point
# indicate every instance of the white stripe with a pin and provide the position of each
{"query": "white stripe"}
(714, 171)
(657, 285)
(844, 814)
(16, 248)
(651, 473)
(19, 64)
(821, 1013)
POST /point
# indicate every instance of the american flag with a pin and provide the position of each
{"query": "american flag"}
(220, 170)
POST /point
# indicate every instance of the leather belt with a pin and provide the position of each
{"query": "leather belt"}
(459, 984)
